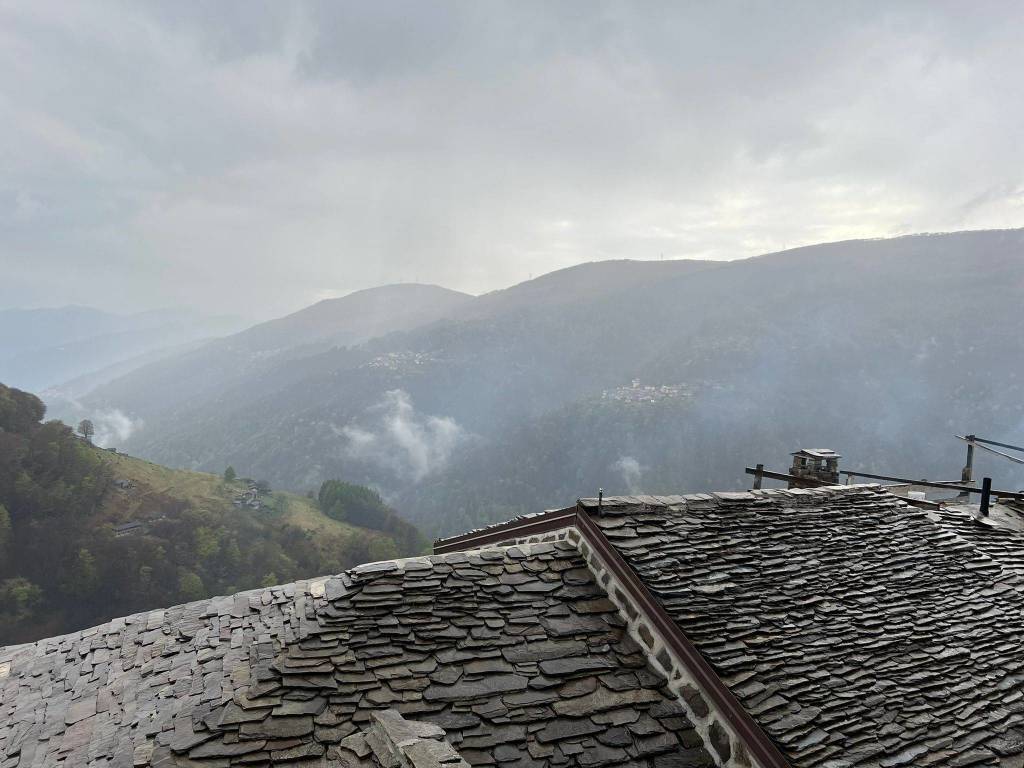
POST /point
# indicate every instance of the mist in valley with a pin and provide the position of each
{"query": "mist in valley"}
(445, 252)
(643, 377)
(422, 384)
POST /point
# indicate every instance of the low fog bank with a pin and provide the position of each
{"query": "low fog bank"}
(113, 426)
(75, 349)
(397, 439)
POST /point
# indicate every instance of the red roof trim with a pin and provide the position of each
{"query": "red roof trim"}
(533, 525)
(761, 748)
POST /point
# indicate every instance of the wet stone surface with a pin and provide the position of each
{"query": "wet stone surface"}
(514, 653)
(856, 630)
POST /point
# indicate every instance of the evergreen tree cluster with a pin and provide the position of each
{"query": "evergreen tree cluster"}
(363, 507)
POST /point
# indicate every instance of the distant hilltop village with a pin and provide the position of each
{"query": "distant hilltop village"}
(400, 361)
(648, 393)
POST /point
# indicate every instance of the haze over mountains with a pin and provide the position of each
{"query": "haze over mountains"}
(465, 409)
(245, 363)
(42, 348)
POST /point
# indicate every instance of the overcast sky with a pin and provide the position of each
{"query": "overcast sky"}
(254, 157)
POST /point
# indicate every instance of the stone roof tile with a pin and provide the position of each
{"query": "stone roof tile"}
(855, 629)
(516, 653)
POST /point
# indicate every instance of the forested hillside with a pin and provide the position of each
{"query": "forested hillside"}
(87, 534)
(880, 349)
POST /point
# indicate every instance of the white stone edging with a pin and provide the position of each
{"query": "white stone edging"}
(713, 728)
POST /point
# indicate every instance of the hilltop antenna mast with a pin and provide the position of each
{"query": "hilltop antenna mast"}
(973, 441)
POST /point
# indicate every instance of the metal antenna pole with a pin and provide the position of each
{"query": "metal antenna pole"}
(968, 470)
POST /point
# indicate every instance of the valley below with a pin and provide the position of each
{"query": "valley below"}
(87, 534)
(472, 409)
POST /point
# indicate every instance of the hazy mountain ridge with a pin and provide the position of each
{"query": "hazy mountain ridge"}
(473, 351)
(222, 370)
(580, 283)
(354, 318)
(878, 348)
(44, 348)
(22, 330)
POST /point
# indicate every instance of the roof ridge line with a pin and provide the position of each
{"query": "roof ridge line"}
(747, 730)
(662, 499)
(448, 543)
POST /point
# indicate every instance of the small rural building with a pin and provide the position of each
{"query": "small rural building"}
(129, 529)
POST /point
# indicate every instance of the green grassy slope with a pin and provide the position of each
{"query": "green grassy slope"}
(155, 484)
(66, 563)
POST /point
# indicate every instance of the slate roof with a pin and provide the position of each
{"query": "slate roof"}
(856, 630)
(1000, 536)
(515, 652)
(393, 741)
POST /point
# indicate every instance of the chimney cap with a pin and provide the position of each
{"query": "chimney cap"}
(817, 453)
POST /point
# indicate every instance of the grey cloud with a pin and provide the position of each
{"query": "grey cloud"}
(399, 438)
(113, 426)
(630, 470)
(252, 156)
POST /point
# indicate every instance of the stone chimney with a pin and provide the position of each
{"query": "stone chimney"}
(821, 464)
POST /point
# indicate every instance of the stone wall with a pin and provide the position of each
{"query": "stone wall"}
(727, 748)
(539, 538)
